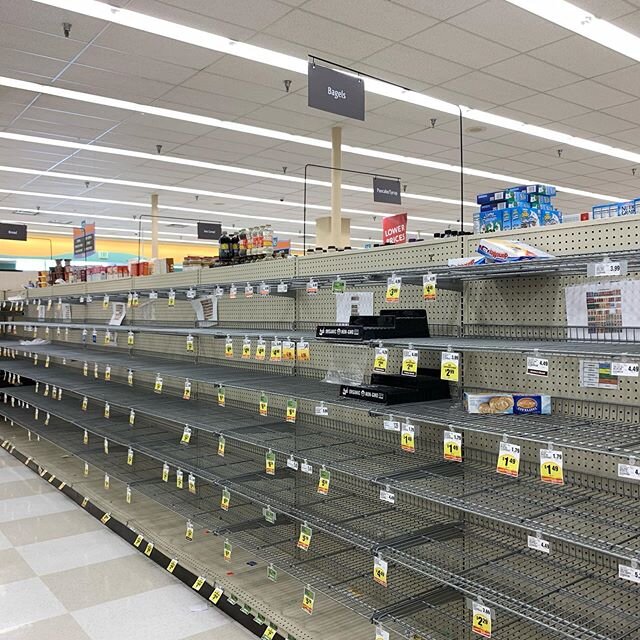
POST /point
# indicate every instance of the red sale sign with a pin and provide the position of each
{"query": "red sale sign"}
(394, 229)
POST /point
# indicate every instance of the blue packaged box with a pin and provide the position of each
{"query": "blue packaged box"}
(516, 196)
(476, 222)
(536, 198)
(550, 218)
(493, 206)
(485, 198)
(540, 207)
(530, 218)
(627, 208)
(495, 220)
(600, 211)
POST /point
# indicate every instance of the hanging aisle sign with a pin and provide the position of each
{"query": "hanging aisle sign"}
(335, 92)
(385, 190)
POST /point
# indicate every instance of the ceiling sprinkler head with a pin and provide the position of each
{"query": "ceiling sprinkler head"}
(66, 29)
(404, 188)
(86, 184)
(287, 85)
(158, 148)
(560, 153)
(197, 197)
(433, 122)
(284, 169)
(633, 171)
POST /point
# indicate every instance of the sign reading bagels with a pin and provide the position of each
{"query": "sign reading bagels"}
(394, 229)
(335, 92)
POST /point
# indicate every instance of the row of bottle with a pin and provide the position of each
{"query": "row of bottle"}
(247, 242)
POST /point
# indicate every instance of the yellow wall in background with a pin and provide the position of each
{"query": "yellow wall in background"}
(37, 246)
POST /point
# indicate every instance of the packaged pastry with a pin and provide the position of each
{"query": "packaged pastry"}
(500, 250)
(507, 403)
(527, 403)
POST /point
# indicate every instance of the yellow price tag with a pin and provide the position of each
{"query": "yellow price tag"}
(130, 377)
(165, 472)
(107, 373)
(276, 352)
(409, 363)
(171, 302)
(105, 518)
(221, 396)
(190, 343)
(324, 481)
(172, 565)
(261, 350)
(228, 548)
(303, 351)
(381, 359)
(394, 285)
(148, 549)
(450, 366)
(246, 349)
(179, 479)
(186, 394)
(292, 410)
(269, 633)
(197, 585)
(157, 387)
(380, 568)
(304, 539)
(107, 481)
(130, 457)
(225, 500)
(551, 470)
(481, 620)
(105, 302)
(288, 350)
(85, 402)
(189, 532)
(453, 446)
(191, 483)
(308, 600)
(264, 405)
(429, 287)
(407, 438)
(132, 417)
(186, 435)
(107, 410)
(221, 445)
(85, 502)
(216, 595)
(85, 437)
(228, 349)
(138, 541)
(130, 338)
(508, 459)
(270, 463)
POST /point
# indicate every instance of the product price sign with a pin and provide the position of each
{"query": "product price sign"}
(551, 470)
(263, 407)
(225, 500)
(218, 292)
(292, 463)
(107, 373)
(85, 400)
(264, 289)
(453, 446)
(128, 495)
(107, 409)
(47, 361)
(606, 268)
(302, 349)
(321, 409)
(380, 567)
(221, 396)
(629, 369)
(282, 287)
(129, 299)
(85, 369)
(292, 410)
(307, 468)
(538, 544)
(629, 471)
(228, 348)
(312, 287)
(270, 463)
(276, 351)
(130, 338)
(190, 343)
(233, 292)
(105, 518)
(85, 437)
(387, 496)
(130, 377)
(261, 349)
(381, 359)
(538, 367)
(105, 302)
(288, 350)
(248, 291)
(96, 371)
(46, 392)
(172, 298)
(107, 337)
(221, 445)
(172, 565)
(228, 548)
(216, 595)
(157, 386)
(394, 284)
(191, 483)
(186, 435)
(409, 362)
(324, 481)
(308, 600)
(130, 456)
(391, 425)
(626, 572)
(269, 515)
(381, 634)
(269, 633)
(179, 479)
(186, 394)
(246, 349)
(508, 459)
(132, 417)
(304, 540)
(429, 286)
(148, 549)
(189, 531)
(450, 366)
(407, 438)
(165, 472)
(481, 620)
(107, 481)
(338, 286)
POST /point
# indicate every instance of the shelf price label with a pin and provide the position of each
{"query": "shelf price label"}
(380, 567)
(303, 352)
(221, 396)
(107, 337)
(233, 292)
(105, 302)
(381, 634)
(538, 367)
(386, 495)
(216, 595)
(165, 472)
(429, 286)
(105, 446)
(172, 565)
(130, 457)
(324, 481)
(171, 301)
(538, 544)
(130, 338)
(248, 291)
(276, 351)
(409, 362)
(607, 268)
(481, 620)
(338, 285)
(132, 417)
(261, 349)
(630, 573)
(453, 446)
(228, 347)
(86, 469)
(394, 284)
(225, 499)
(186, 435)
(228, 548)
(96, 370)
(190, 343)
(85, 369)
(381, 359)
(179, 479)
(189, 531)
(107, 481)
(157, 386)
(629, 369)
(407, 438)
(292, 410)
(85, 437)
(129, 299)
(107, 373)
(46, 390)
(321, 409)
(269, 514)
(107, 410)
(551, 470)
(269, 633)
(186, 394)
(46, 420)
(221, 445)
(305, 467)
(508, 459)
(288, 350)
(263, 407)
(308, 599)
(282, 287)
(629, 471)
(246, 349)
(450, 366)
(128, 495)
(191, 483)
(47, 361)
(312, 287)
(270, 463)
(292, 463)
(148, 549)
(264, 289)
(304, 540)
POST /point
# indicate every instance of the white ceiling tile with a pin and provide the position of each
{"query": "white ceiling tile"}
(234, 87)
(437, 8)
(628, 111)
(510, 25)
(607, 9)
(591, 94)
(190, 99)
(527, 71)
(547, 107)
(627, 79)
(597, 122)
(15, 63)
(460, 46)
(412, 63)
(391, 22)
(486, 87)
(315, 32)
(581, 56)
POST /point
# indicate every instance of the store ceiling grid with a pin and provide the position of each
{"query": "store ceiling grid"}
(485, 54)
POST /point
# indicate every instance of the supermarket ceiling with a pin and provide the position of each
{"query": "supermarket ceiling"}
(486, 54)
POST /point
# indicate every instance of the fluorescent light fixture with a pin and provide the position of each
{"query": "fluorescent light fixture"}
(580, 21)
(280, 135)
(559, 11)
(94, 148)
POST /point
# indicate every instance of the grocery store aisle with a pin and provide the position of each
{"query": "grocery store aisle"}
(64, 575)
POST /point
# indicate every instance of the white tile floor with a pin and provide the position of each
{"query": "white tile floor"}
(63, 575)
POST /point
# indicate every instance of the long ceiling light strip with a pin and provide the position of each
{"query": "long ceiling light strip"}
(18, 137)
(580, 21)
(160, 187)
(279, 135)
(213, 42)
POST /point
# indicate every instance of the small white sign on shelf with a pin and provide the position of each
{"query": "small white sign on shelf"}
(538, 367)
(629, 369)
